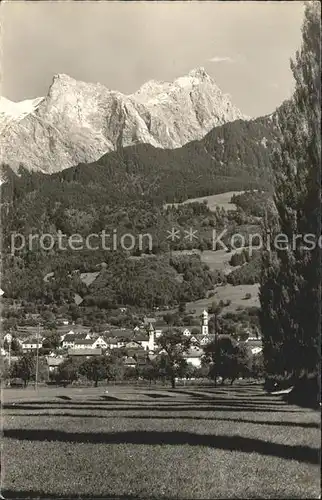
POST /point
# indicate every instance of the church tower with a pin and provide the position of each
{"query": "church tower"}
(151, 345)
(204, 324)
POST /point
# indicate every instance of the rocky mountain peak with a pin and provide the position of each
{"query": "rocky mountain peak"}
(199, 73)
(79, 121)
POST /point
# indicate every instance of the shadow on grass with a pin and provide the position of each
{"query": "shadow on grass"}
(218, 394)
(43, 496)
(173, 438)
(305, 425)
(232, 402)
(164, 408)
(109, 398)
(157, 396)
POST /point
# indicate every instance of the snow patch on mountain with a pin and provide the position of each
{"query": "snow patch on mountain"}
(16, 111)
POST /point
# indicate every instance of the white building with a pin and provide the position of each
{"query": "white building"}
(193, 356)
(31, 345)
(7, 337)
(151, 342)
(158, 332)
(112, 343)
(204, 324)
(70, 338)
(100, 342)
(83, 344)
(255, 345)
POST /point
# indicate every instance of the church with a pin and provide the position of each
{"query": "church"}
(199, 336)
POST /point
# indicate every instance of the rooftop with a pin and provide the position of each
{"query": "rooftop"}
(148, 320)
(134, 344)
(191, 328)
(126, 333)
(111, 340)
(140, 337)
(70, 337)
(84, 342)
(32, 341)
(54, 361)
(84, 352)
(130, 361)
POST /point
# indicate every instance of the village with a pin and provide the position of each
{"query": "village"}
(136, 345)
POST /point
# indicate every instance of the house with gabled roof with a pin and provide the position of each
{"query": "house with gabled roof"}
(112, 343)
(131, 344)
(31, 344)
(193, 340)
(100, 342)
(206, 339)
(53, 363)
(8, 337)
(84, 344)
(130, 362)
(255, 344)
(158, 332)
(137, 352)
(118, 337)
(70, 338)
(193, 356)
(142, 339)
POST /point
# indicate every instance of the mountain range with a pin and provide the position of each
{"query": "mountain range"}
(79, 122)
(115, 161)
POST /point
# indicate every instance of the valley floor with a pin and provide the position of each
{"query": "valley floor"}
(154, 442)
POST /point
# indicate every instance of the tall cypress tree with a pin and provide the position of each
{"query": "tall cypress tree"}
(290, 291)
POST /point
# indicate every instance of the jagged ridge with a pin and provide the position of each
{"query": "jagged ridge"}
(79, 122)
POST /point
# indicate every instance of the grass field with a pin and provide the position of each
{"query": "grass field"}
(236, 294)
(215, 200)
(217, 260)
(229, 442)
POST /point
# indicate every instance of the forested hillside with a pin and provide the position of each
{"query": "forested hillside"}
(125, 192)
(230, 157)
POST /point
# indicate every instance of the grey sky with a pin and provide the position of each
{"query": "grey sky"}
(244, 46)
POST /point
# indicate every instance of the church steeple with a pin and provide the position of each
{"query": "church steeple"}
(151, 345)
(204, 324)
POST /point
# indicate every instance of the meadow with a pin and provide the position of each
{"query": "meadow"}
(221, 200)
(236, 294)
(155, 442)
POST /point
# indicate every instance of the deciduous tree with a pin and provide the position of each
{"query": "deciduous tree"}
(24, 368)
(174, 345)
(227, 358)
(94, 369)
